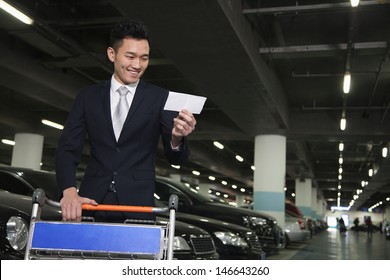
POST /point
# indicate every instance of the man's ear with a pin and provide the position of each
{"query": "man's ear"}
(111, 54)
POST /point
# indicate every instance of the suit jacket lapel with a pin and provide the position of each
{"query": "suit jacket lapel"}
(106, 102)
(137, 100)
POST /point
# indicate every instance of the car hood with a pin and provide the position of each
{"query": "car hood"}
(24, 204)
(209, 223)
(228, 210)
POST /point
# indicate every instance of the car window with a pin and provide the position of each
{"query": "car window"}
(10, 183)
(163, 193)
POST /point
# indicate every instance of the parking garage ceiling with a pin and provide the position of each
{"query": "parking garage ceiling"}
(266, 67)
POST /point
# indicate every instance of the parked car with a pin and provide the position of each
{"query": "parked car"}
(16, 188)
(232, 241)
(386, 230)
(295, 229)
(190, 201)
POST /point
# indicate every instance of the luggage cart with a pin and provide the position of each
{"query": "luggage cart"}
(89, 240)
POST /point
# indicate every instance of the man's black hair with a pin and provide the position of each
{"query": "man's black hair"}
(131, 28)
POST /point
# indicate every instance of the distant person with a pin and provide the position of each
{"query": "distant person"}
(356, 223)
(369, 226)
(342, 227)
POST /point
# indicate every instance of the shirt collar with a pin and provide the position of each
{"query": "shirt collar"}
(115, 85)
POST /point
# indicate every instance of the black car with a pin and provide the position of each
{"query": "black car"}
(190, 201)
(16, 188)
(386, 230)
(233, 242)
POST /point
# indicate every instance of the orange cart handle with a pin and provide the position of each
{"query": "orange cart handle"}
(121, 208)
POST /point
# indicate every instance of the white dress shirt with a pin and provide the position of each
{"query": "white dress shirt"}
(114, 96)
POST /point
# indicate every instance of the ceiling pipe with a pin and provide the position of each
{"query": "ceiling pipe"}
(306, 8)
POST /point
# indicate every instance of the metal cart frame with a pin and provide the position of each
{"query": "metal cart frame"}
(85, 240)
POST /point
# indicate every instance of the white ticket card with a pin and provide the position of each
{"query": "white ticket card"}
(177, 101)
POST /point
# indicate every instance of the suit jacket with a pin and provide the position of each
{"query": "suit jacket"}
(130, 161)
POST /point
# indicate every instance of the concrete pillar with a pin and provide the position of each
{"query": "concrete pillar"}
(240, 200)
(303, 195)
(27, 151)
(175, 177)
(269, 176)
(320, 209)
(313, 202)
(204, 189)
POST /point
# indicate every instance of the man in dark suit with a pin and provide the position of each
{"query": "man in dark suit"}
(121, 167)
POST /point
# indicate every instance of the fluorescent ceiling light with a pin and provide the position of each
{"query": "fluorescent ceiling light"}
(347, 82)
(239, 158)
(385, 151)
(8, 142)
(355, 3)
(343, 123)
(52, 124)
(175, 166)
(218, 145)
(212, 178)
(341, 146)
(16, 13)
(197, 173)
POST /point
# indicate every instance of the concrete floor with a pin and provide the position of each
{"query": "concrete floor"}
(332, 245)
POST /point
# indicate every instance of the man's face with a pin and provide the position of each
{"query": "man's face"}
(130, 60)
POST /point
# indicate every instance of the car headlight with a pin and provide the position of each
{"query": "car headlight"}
(250, 220)
(17, 233)
(228, 238)
(180, 244)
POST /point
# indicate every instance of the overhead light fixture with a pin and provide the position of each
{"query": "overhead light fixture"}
(224, 183)
(234, 187)
(341, 160)
(370, 172)
(218, 145)
(253, 167)
(385, 151)
(197, 173)
(175, 166)
(354, 3)
(16, 13)
(341, 146)
(211, 178)
(347, 82)
(52, 124)
(239, 158)
(340, 170)
(8, 142)
(343, 123)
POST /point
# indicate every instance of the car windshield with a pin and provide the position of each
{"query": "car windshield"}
(45, 181)
(24, 182)
(178, 188)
